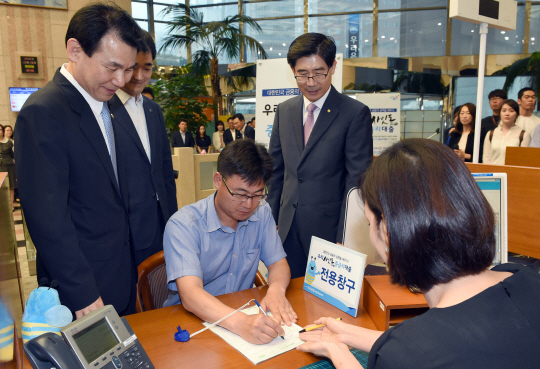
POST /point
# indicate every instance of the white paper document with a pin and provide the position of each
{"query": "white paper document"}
(260, 353)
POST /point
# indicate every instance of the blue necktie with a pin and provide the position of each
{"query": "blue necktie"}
(106, 116)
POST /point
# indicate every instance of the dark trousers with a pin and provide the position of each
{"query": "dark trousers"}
(296, 256)
(157, 244)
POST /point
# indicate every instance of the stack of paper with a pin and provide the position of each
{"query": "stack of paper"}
(260, 353)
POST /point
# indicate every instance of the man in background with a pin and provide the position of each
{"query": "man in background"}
(182, 138)
(321, 143)
(144, 147)
(242, 129)
(73, 190)
(527, 102)
(496, 98)
(230, 133)
(147, 91)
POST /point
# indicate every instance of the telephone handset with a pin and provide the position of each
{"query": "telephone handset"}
(99, 340)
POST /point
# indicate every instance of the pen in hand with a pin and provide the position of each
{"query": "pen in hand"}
(314, 327)
(264, 312)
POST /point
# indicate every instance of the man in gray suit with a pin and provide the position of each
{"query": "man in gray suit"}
(321, 143)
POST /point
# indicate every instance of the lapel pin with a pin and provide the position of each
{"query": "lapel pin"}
(112, 116)
(329, 110)
(150, 109)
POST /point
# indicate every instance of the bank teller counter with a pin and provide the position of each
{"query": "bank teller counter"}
(523, 206)
(195, 175)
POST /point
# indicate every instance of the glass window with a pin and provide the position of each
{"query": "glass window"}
(407, 4)
(276, 36)
(274, 8)
(218, 12)
(159, 16)
(169, 2)
(143, 25)
(173, 57)
(325, 6)
(466, 37)
(412, 33)
(209, 2)
(139, 10)
(353, 33)
(534, 34)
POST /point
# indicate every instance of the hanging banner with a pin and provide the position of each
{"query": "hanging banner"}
(385, 118)
(335, 274)
(275, 84)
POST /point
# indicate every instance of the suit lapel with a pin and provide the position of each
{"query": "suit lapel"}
(88, 125)
(297, 122)
(121, 118)
(328, 113)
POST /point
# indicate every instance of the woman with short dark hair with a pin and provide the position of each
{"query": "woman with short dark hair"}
(433, 227)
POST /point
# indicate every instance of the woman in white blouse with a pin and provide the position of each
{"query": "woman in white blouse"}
(217, 137)
(507, 134)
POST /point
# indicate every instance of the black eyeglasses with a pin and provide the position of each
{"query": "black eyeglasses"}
(242, 198)
(315, 78)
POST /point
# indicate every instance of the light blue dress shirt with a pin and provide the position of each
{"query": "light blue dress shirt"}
(196, 243)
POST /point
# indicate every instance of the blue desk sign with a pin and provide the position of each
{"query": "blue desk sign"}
(335, 274)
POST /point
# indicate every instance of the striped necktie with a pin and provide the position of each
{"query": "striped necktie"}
(310, 121)
(106, 116)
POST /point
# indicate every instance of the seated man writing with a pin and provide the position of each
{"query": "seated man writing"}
(213, 247)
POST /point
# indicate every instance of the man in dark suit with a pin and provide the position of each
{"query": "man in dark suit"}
(182, 138)
(230, 133)
(144, 146)
(242, 129)
(73, 188)
(321, 143)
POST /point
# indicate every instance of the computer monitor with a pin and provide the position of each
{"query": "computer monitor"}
(18, 96)
(494, 187)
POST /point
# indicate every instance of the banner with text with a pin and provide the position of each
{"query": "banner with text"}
(335, 274)
(275, 84)
(385, 118)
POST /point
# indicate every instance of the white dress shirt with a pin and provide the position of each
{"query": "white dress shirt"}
(319, 103)
(135, 110)
(529, 124)
(95, 105)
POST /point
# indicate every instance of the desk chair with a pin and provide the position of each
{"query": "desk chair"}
(152, 288)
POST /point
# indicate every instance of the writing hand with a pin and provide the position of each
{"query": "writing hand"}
(259, 329)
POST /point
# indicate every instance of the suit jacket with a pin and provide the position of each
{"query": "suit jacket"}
(147, 180)
(178, 142)
(75, 211)
(249, 133)
(469, 147)
(314, 180)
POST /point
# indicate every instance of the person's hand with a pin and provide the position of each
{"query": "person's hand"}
(87, 310)
(460, 153)
(259, 329)
(279, 306)
(451, 129)
(333, 331)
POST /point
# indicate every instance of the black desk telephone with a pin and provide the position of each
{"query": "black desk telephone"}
(98, 340)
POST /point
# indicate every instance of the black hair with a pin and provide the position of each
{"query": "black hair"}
(472, 110)
(247, 159)
(148, 90)
(523, 90)
(312, 44)
(149, 43)
(220, 123)
(12, 131)
(513, 104)
(439, 224)
(199, 130)
(498, 93)
(239, 116)
(93, 22)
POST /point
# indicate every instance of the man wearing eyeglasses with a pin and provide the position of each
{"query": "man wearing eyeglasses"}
(321, 143)
(527, 103)
(214, 246)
